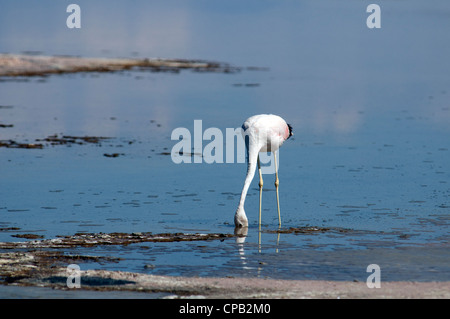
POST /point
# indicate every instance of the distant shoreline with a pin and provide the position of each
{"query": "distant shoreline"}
(15, 65)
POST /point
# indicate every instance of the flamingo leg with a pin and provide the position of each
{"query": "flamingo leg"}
(260, 191)
(277, 182)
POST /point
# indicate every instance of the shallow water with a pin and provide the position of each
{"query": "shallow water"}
(370, 154)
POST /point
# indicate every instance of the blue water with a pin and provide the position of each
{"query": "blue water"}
(370, 154)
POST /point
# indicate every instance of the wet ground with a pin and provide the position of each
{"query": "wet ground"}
(31, 274)
(364, 180)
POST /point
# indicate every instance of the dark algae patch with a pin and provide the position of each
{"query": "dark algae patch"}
(14, 144)
(96, 239)
(28, 236)
(113, 154)
(54, 140)
(68, 139)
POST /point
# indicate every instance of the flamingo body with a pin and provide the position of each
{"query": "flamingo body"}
(264, 133)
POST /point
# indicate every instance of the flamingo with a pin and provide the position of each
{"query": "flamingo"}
(263, 133)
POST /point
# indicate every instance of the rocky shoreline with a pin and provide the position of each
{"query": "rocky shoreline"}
(38, 263)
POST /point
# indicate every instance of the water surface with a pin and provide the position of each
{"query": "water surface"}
(370, 154)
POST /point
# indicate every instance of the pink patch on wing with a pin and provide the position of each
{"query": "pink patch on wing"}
(286, 133)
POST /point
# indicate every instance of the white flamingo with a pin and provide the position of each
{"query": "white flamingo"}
(263, 133)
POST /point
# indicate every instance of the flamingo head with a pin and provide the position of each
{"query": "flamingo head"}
(240, 219)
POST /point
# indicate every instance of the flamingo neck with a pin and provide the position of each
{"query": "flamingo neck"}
(252, 156)
(251, 167)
